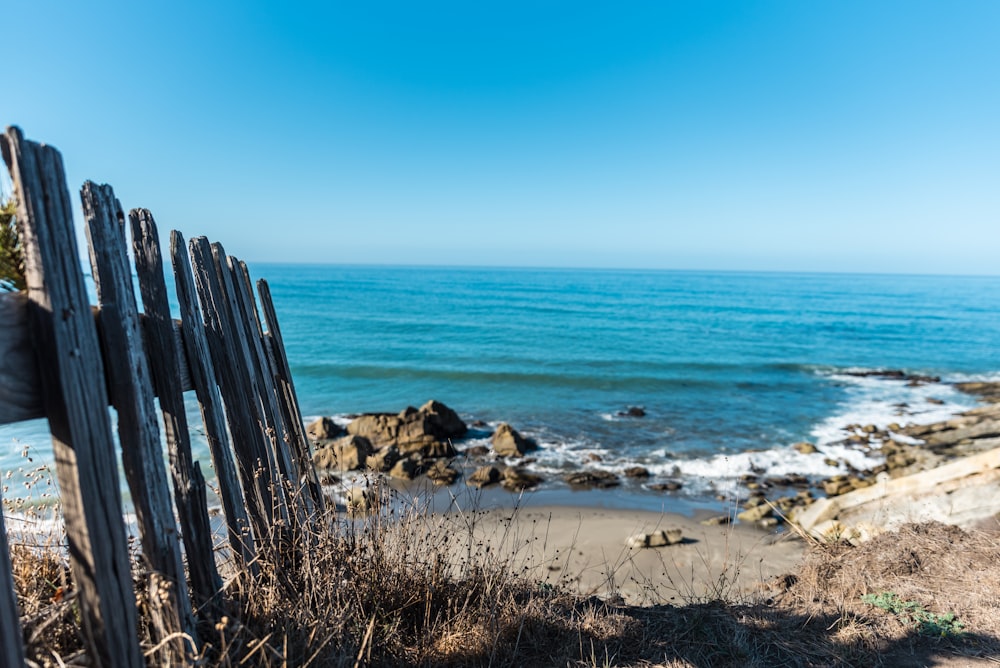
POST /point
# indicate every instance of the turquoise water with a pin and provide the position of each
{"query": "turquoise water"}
(730, 368)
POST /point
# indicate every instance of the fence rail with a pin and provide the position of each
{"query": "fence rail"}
(66, 360)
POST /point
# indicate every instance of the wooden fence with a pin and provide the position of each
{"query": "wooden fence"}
(67, 360)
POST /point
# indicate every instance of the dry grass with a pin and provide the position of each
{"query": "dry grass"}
(404, 587)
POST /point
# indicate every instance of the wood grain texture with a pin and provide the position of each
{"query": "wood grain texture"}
(20, 383)
(12, 648)
(192, 512)
(203, 378)
(263, 379)
(289, 400)
(20, 391)
(252, 462)
(131, 393)
(75, 400)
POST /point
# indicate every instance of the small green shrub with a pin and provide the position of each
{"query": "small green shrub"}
(11, 257)
(910, 612)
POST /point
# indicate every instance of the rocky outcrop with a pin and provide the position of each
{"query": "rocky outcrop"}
(483, 477)
(516, 479)
(594, 478)
(507, 442)
(324, 429)
(345, 454)
(427, 430)
(441, 473)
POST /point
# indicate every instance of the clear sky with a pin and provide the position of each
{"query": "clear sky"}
(831, 135)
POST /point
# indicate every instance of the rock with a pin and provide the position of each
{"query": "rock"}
(360, 499)
(324, 429)
(508, 443)
(441, 473)
(405, 469)
(669, 486)
(476, 451)
(351, 452)
(633, 411)
(446, 422)
(324, 458)
(593, 457)
(637, 472)
(345, 454)
(426, 430)
(483, 477)
(516, 479)
(595, 478)
(756, 513)
(934, 401)
(805, 448)
(767, 522)
(384, 459)
(658, 538)
(717, 520)
(829, 461)
(836, 487)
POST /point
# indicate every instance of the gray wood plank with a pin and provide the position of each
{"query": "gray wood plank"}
(12, 648)
(240, 337)
(251, 459)
(267, 394)
(20, 384)
(75, 400)
(290, 402)
(189, 493)
(206, 387)
(20, 391)
(131, 393)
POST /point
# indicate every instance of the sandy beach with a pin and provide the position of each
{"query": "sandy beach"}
(584, 549)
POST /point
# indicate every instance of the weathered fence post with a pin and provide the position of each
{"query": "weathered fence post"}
(260, 485)
(206, 387)
(132, 396)
(19, 399)
(12, 649)
(189, 485)
(75, 400)
(287, 398)
(260, 370)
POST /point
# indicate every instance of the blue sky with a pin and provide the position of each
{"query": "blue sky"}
(797, 135)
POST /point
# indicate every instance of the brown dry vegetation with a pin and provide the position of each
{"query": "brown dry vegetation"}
(394, 588)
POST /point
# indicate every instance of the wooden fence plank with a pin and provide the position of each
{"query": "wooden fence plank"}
(206, 386)
(240, 340)
(131, 393)
(20, 386)
(189, 497)
(75, 401)
(267, 395)
(234, 382)
(289, 400)
(12, 648)
(20, 396)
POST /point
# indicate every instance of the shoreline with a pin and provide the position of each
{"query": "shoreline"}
(580, 538)
(874, 452)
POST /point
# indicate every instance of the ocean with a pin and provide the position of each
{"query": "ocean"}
(730, 369)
